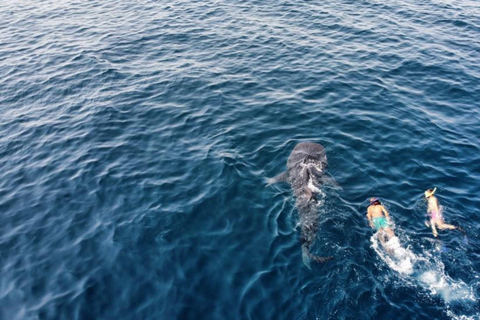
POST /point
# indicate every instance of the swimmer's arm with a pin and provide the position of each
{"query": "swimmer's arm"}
(369, 217)
(434, 229)
(386, 214)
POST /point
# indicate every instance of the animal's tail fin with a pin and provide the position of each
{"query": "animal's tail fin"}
(307, 256)
(320, 259)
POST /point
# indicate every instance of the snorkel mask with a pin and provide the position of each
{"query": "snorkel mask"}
(430, 192)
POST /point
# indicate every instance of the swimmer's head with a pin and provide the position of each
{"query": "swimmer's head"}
(375, 201)
(430, 192)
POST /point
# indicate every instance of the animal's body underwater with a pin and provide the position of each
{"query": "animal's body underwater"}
(306, 173)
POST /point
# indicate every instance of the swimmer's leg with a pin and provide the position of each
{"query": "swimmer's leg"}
(384, 238)
(389, 233)
(444, 226)
(434, 229)
(381, 236)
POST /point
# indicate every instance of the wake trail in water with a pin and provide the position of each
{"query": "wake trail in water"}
(424, 270)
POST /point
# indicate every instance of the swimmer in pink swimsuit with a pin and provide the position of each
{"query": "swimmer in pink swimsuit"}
(436, 218)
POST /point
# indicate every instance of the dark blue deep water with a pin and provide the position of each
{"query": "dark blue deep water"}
(136, 139)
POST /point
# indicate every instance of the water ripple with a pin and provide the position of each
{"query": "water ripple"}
(137, 138)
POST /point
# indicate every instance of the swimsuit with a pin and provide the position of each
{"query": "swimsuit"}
(380, 222)
(435, 215)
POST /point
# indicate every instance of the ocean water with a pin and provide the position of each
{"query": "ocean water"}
(137, 137)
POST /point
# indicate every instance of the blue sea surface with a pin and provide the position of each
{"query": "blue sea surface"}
(137, 138)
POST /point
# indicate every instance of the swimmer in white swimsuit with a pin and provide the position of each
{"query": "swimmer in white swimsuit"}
(436, 217)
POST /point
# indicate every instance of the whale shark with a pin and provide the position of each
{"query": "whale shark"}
(306, 174)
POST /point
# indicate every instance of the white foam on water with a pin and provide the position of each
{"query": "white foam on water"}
(394, 255)
(462, 317)
(429, 273)
(450, 290)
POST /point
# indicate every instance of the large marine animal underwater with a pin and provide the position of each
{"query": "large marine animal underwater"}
(306, 174)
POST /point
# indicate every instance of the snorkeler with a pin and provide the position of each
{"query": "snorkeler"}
(436, 217)
(379, 221)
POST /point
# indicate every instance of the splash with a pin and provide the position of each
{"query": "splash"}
(440, 283)
(394, 255)
(427, 272)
